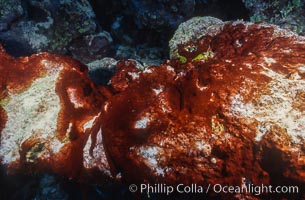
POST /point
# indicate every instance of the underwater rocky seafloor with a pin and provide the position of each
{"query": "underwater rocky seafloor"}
(227, 107)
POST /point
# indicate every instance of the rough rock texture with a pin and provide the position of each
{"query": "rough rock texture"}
(101, 71)
(192, 30)
(160, 13)
(44, 25)
(231, 112)
(10, 10)
(147, 55)
(234, 116)
(82, 28)
(91, 47)
(48, 105)
(285, 13)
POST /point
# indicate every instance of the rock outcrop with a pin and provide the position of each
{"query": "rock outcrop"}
(48, 105)
(285, 13)
(229, 110)
(233, 110)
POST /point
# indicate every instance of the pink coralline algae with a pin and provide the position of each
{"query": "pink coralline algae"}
(234, 111)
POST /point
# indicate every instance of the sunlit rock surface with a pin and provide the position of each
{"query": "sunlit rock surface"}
(233, 112)
(230, 112)
(192, 30)
(48, 105)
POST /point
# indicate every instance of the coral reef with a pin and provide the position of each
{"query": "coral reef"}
(287, 14)
(89, 30)
(36, 26)
(144, 54)
(91, 47)
(224, 119)
(192, 30)
(225, 110)
(48, 105)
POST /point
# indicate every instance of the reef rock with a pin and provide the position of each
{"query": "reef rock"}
(10, 10)
(36, 26)
(143, 54)
(101, 71)
(231, 112)
(285, 13)
(192, 30)
(48, 105)
(91, 47)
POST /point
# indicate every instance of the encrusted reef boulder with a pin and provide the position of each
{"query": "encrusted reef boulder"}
(192, 30)
(48, 105)
(231, 112)
(228, 110)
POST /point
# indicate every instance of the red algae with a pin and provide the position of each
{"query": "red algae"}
(228, 114)
(210, 120)
(48, 105)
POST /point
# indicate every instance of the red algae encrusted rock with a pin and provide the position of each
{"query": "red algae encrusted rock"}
(233, 112)
(229, 110)
(48, 105)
